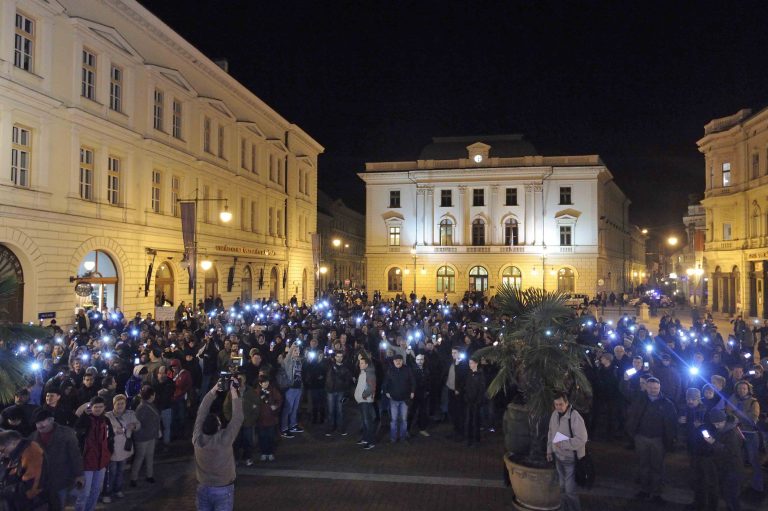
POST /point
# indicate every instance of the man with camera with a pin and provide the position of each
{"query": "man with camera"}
(214, 456)
(21, 471)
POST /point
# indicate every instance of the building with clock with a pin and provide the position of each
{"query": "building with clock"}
(476, 213)
(113, 125)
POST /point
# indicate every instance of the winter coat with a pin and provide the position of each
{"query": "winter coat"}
(365, 390)
(183, 381)
(577, 441)
(728, 449)
(97, 441)
(474, 387)
(654, 419)
(124, 422)
(63, 458)
(269, 399)
(399, 383)
(338, 378)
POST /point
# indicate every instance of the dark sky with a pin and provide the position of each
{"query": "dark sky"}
(373, 81)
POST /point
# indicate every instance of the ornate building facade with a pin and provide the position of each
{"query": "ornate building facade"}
(475, 213)
(108, 118)
(342, 238)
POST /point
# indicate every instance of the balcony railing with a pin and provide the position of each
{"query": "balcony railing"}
(489, 249)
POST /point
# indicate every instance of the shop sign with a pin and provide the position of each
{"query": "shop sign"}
(245, 250)
(758, 255)
(46, 315)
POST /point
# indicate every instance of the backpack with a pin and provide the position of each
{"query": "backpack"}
(283, 382)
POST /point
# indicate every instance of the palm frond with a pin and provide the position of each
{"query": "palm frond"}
(11, 377)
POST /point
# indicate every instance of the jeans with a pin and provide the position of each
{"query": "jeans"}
(291, 408)
(566, 475)
(89, 495)
(166, 416)
(650, 463)
(179, 416)
(247, 441)
(215, 498)
(335, 411)
(266, 439)
(368, 419)
(752, 446)
(144, 452)
(114, 477)
(419, 412)
(399, 413)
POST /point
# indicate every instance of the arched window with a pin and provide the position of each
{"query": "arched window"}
(446, 232)
(566, 280)
(754, 227)
(478, 279)
(478, 233)
(164, 286)
(395, 280)
(446, 280)
(246, 285)
(97, 269)
(211, 283)
(511, 232)
(512, 277)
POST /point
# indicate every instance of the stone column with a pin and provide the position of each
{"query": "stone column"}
(493, 231)
(419, 239)
(538, 191)
(429, 217)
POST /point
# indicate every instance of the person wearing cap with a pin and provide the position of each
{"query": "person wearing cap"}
(62, 451)
(745, 410)
(727, 444)
(652, 423)
(53, 403)
(703, 473)
(399, 387)
(96, 437)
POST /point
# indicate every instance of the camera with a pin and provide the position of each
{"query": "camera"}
(227, 380)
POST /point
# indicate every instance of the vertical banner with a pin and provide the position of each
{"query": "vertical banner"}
(188, 220)
(316, 250)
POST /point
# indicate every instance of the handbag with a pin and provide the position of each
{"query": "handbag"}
(128, 445)
(585, 467)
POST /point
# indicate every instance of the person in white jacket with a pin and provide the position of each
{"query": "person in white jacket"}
(124, 423)
(566, 440)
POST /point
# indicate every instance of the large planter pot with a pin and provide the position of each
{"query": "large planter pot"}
(535, 488)
(517, 438)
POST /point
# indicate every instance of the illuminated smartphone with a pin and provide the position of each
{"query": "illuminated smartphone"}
(631, 372)
(646, 365)
(705, 433)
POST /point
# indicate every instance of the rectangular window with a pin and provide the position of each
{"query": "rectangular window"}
(727, 174)
(511, 197)
(221, 142)
(113, 180)
(301, 181)
(271, 221)
(243, 216)
(88, 82)
(755, 166)
(394, 236)
(243, 149)
(478, 197)
(24, 43)
(175, 195)
(156, 191)
(565, 195)
(727, 234)
(157, 110)
(177, 133)
(253, 159)
(86, 173)
(21, 156)
(116, 89)
(394, 200)
(446, 198)
(207, 135)
(279, 223)
(206, 203)
(254, 217)
(565, 235)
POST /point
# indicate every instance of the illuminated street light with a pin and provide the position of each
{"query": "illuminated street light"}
(225, 215)
(644, 231)
(323, 270)
(672, 241)
(206, 264)
(336, 242)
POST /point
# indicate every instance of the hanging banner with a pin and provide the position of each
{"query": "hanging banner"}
(316, 250)
(188, 221)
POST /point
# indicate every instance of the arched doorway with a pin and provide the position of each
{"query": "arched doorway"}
(211, 279)
(566, 280)
(246, 284)
(11, 286)
(164, 286)
(478, 279)
(98, 270)
(304, 285)
(273, 284)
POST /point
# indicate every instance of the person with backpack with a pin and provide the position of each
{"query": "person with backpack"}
(566, 444)
(745, 409)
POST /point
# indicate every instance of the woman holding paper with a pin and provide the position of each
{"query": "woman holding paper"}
(566, 442)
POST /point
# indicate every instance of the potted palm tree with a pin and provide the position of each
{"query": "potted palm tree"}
(537, 355)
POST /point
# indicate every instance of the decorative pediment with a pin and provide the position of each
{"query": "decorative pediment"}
(276, 142)
(393, 217)
(219, 106)
(478, 152)
(253, 128)
(568, 214)
(173, 76)
(108, 34)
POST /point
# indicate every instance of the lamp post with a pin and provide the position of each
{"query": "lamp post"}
(543, 267)
(413, 253)
(224, 215)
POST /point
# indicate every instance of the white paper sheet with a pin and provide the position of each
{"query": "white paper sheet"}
(559, 437)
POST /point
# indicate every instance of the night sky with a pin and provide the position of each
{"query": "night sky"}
(373, 81)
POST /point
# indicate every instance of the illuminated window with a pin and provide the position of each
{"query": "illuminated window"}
(512, 277)
(727, 232)
(113, 180)
(156, 190)
(395, 280)
(394, 236)
(511, 232)
(116, 89)
(24, 42)
(727, 174)
(478, 233)
(88, 77)
(446, 232)
(566, 280)
(21, 156)
(446, 280)
(86, 173)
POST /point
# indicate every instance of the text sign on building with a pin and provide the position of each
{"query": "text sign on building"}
(245, 250)
(758, 255)
(46, 315)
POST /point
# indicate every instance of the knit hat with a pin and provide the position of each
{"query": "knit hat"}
(254, 351)
(41, 414)
(716, 415)
(692, 394)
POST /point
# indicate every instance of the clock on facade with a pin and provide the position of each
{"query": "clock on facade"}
(478, 158)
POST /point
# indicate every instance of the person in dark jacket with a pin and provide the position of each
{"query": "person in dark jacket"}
(454, 377)
(419, 412)
(145, 437)
(61, 415)
(96, 438)
(62, 451)
(607, 398)
(474, 392)
(21, 477)
(652, 422)
(703, 473)
(728, 443)
(164, 391)
(338, 381)
(399, 386)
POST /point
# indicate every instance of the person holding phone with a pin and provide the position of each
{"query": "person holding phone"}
(727, 443)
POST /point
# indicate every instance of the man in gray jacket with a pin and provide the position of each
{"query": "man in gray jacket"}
(566, 440)
(214, 456)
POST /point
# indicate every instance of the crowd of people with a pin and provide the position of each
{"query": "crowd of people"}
(112, 389)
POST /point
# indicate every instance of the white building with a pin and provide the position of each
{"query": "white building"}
(107, 117)
(473, 213)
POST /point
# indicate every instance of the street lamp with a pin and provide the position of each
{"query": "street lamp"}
(413, 253)
(225, 216)
(336, 242)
